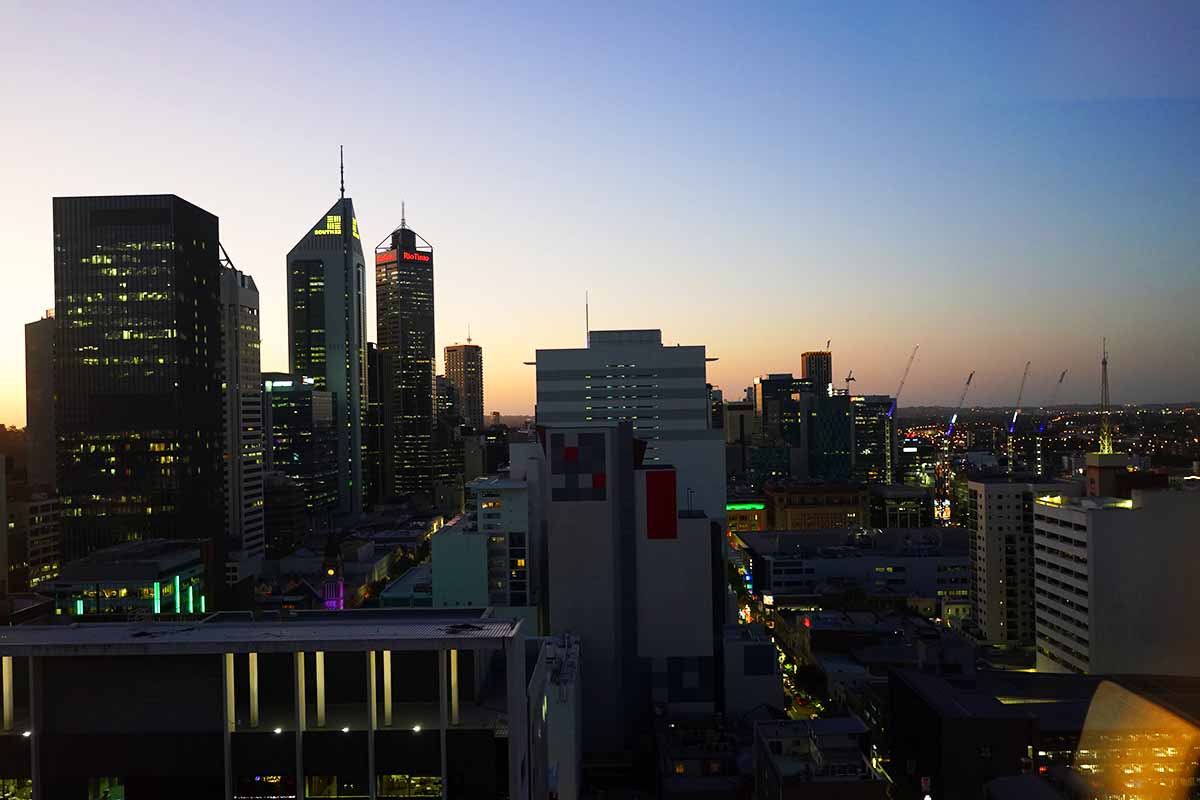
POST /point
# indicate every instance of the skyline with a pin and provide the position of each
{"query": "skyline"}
(1019, 209)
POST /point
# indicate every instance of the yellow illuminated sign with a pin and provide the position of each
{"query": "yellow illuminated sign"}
(354, 227)
(333, 226)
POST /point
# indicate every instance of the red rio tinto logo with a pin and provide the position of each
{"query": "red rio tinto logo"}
(414, 256)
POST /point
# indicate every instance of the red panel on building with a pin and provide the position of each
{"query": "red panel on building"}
(570, 454)
(599, 480)
(662, 518)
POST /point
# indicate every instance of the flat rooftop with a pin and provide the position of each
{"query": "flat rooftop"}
(843, 543)
(492, 482)
(240, 632)
(132, 561)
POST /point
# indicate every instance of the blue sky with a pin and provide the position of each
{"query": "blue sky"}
(998, 182)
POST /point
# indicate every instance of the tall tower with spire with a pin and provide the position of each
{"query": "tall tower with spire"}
(326, 273)
(1105, 466)
(404, 318)
(1106, 438)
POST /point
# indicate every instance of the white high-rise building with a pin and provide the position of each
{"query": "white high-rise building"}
(243, 421)
(1115, 583)
(661, 390)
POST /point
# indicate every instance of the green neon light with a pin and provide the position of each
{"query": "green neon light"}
(79, 607)
(191, 601)
(745, 506)
(178, 599)
(201, 604)
(157, 597)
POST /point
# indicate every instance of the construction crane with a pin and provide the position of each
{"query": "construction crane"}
(1041, 465)
(942, 501)
(954, 417)
(1012, 426)
(1053, 397)
(903, 378)
(850, 379)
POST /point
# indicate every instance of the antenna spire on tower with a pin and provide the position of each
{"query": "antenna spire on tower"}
(342, 171)
(1106, 438)
(468, 333)
(403, 221)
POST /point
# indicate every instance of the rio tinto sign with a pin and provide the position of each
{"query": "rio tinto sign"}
(392, 256)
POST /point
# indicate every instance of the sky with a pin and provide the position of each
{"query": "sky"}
(998, 182)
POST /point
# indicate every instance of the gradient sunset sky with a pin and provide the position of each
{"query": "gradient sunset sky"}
(998, 182)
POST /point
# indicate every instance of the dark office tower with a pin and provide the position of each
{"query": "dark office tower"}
(464, 371)
(327, 332)
(241, 380)
(377, 463)
(300, 437)
(39, 401)
(445, 399)
(874, 431)
(137, 285)
(830, 435)
(817, 366)
(404, 317)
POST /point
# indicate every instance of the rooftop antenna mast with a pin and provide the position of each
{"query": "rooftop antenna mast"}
(342, 171)
(403, 221)
(468, 333)
(1106, 438)
(827, 341)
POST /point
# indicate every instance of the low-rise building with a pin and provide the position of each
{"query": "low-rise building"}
(157, 576)
(899, 506)
(951, 735)
(413, 589)
(752, 678)
(819, 759)
(746, 515)
(366, 703)
(697, 758)
(927, 566)
(793, 506)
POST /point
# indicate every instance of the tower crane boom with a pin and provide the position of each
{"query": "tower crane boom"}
(903, 378)
(1053, 397)
(1012, 426)
(962, 397)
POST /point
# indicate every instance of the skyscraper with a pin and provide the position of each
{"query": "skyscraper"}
(242, 382)
(661, 391)
(327, 332)
(377, 465)
(300, 438)
(464, 371)
(404, 316)
(817, 366)
(39, 400)
(874, 453)
(138, 406)
(445, 399)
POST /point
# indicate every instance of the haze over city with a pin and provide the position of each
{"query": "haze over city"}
(998, 185)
